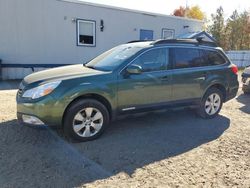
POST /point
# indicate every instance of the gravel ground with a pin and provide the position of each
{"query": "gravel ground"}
(161, 149)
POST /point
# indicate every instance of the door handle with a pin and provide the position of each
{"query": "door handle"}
(204, 75)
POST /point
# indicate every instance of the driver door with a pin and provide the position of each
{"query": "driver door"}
(151, 87)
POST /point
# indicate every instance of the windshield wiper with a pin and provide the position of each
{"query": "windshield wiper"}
(95, 68)
(91, 67)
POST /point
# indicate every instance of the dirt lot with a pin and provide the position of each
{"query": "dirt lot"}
(163, 149)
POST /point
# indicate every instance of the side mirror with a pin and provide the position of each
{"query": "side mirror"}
(134, 69)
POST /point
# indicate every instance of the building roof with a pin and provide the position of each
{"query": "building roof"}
(128, 10)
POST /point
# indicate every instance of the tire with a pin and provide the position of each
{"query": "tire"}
(85, 120)
(209, 109)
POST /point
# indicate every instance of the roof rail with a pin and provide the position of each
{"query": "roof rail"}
(133, 41)
(197, 41)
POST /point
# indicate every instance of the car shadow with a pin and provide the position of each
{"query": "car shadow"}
(42, 157)
(244, 99)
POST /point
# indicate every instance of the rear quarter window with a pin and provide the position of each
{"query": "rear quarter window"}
(213, 58)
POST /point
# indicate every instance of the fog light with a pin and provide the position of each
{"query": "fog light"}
(31, 120)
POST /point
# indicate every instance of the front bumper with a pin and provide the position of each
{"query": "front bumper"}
(47, 110)
(34, 121)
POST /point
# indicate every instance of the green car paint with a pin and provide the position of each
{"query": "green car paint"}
(121, 92)
(50, 108)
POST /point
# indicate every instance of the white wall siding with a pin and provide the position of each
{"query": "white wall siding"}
(44, 31)
(15, 73)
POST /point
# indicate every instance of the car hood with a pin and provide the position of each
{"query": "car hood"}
(61, 73)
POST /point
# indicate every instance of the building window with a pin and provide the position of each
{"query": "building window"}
(167, 33)
(86, 33)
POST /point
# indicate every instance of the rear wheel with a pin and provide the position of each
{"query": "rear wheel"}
(211, 103)
(86, 120)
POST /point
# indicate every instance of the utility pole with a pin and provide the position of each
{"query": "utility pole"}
(185, 15)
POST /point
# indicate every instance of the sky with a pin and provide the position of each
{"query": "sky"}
(167, 6)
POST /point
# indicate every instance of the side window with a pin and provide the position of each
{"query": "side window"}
(213, 58)
(153, 60)
(186, 58)
(86, 33)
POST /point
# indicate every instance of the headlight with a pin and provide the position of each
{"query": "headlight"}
(41, 90)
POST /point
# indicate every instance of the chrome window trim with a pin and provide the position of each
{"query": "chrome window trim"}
(140, 56)
(178, 46)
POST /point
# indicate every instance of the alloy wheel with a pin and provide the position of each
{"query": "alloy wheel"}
(88, 122)
(212, 104)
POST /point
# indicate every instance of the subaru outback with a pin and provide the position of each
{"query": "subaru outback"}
(134, 77)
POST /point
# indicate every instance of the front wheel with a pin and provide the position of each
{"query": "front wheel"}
(85, 120)
(211, 103)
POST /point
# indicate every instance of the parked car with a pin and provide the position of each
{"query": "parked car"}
(246, 80)
(130, 78)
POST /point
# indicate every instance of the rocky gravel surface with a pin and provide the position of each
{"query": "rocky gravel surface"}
(160, 149)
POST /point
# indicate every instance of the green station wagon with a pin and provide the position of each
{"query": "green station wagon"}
(135, 77)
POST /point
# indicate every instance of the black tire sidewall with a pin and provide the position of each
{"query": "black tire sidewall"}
(74, 109)
(201, 111)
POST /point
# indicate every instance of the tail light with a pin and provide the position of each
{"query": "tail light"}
(234, 69)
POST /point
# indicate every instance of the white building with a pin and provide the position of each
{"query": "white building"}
(37, 34)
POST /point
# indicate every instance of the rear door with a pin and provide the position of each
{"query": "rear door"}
(189, 75)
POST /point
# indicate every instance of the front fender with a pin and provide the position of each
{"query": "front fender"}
(71, 90)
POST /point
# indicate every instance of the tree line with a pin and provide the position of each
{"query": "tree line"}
(231, 34)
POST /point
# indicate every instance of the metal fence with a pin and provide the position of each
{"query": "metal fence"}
(239, 58)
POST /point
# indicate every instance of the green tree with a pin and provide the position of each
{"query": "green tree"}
(244, 31)
(217, 28)
(232, 31)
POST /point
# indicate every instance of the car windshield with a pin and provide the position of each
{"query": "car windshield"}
(111, 59)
